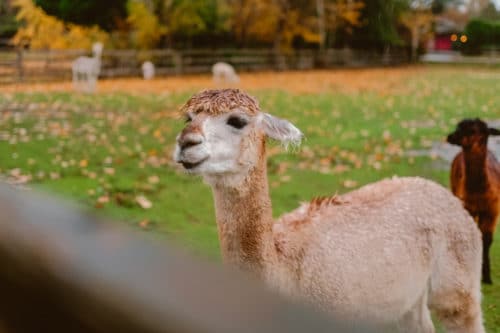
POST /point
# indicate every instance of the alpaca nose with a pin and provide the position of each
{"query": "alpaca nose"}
(190, 140)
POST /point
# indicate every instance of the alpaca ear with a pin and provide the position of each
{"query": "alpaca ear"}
(281, 130)
(493, 131)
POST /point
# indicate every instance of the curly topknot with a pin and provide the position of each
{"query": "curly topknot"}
(219, 101)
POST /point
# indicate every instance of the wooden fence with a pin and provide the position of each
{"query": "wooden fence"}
(65, 271)
(32, 65)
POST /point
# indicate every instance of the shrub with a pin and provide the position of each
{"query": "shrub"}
(481, 34)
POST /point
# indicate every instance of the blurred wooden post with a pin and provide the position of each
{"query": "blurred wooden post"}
(177, 60)
(19, 64)
(64, 271)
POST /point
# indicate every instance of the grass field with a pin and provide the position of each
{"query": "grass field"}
(112, 152)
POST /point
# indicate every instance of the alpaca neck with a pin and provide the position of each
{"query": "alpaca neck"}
(244, 220)
(476, 177)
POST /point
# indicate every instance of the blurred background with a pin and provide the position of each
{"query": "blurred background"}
(90, 92)
(181, 36)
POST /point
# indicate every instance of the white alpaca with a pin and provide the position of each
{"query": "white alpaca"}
(86, 70)
(385, 254)
(148, 70)
(224, 73)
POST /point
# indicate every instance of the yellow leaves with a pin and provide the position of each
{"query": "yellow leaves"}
(343, 13)
(83, 163)
(261, 18)
(147, 30)
(264, 20)
(42, 31)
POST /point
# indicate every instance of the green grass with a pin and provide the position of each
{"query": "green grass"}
(119, 146)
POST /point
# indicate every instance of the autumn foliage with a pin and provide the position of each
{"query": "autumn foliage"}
(42, 31)
(149, 24)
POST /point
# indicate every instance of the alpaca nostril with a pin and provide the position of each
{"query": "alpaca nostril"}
(189, 143)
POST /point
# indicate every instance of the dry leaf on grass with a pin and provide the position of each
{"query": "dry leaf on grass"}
(143, 202)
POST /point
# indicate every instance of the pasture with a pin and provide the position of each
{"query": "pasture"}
(112, 152)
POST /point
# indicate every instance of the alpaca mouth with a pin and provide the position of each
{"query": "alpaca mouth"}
(191, 165)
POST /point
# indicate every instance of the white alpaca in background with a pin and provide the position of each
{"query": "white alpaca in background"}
(224, 73)
(86, 70)
(148, 70)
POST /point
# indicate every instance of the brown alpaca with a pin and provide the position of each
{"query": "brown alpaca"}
(386, 253)
(475, 179)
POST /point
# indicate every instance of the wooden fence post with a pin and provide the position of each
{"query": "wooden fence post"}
(65, 271)
(19, 64)
(177, 60)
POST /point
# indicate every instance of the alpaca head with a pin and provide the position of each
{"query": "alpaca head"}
(97, 49)
(472, 135)
(225, 133)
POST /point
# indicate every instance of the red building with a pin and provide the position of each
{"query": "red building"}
(446, 31)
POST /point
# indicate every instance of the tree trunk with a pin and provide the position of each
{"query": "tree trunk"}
(415, 38)
(280, 27)
(320, 9)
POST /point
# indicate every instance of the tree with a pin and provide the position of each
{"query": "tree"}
(146, 28)
(475, 7)
(8, 23)
(418, 20)
(481, 34)
(252, 20)
(379, 24)
(279, 22)
(490, 13)
(42, 31)
(296, 19)
(86, 12)
(342, 15)
(190, 19)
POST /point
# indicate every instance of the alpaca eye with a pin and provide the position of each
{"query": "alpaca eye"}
(236, 122)
(187, 119)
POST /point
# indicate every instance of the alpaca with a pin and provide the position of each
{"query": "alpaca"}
(86, 70)
(475, 179)
(148, 70)
(385, 254)
(224, 73)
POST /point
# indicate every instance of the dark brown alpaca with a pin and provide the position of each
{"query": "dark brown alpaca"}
(475, 179)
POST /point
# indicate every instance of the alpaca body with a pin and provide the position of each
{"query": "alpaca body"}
(332, 252)
(476, 185)
(355, 239)
(148, 70)
(384, 254)
(86, 70)
(475, 180)
(224, 73)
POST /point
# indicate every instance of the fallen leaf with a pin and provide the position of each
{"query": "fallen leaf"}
(143, 202)
(349, 183)
(109, 171)
(153, 179)
(103, 199)
(144, 223)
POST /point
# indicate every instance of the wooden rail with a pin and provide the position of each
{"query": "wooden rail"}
(31, 65)
(65, 271)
